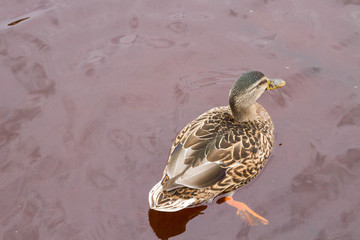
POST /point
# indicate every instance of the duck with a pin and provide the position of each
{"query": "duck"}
(220, 151)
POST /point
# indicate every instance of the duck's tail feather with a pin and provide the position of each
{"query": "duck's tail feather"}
(160, 201)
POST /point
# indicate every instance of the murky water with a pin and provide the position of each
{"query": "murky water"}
(92, 94)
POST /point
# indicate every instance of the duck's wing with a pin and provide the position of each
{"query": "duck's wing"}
(203, 153)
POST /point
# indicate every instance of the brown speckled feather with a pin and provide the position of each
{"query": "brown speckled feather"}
(214, 155)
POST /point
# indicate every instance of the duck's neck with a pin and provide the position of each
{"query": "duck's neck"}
(244, 114)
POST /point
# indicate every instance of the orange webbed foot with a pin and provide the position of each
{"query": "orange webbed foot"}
(246, 213)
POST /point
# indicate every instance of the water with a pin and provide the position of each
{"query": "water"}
(93, 93)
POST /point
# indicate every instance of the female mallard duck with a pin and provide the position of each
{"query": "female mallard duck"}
(221, 150)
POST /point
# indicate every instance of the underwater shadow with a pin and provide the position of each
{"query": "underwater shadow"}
(170, 224)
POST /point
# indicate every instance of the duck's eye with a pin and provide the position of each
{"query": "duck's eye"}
(261, 84)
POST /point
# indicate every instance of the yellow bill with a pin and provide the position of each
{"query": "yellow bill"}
(275, 83)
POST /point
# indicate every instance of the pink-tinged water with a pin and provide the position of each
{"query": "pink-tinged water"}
(92, 93)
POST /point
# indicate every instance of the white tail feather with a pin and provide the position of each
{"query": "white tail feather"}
(156, 194)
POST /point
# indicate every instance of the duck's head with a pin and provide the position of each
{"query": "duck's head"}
(247, 89)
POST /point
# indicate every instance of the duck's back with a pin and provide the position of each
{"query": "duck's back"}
(214, 154)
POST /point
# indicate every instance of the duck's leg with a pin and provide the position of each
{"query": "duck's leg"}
(245, 212)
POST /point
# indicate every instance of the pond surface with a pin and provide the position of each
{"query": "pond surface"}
(92, 93)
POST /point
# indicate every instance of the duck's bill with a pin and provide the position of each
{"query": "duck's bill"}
(275, 83)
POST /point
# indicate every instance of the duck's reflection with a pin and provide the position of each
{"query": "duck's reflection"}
(169, 224)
